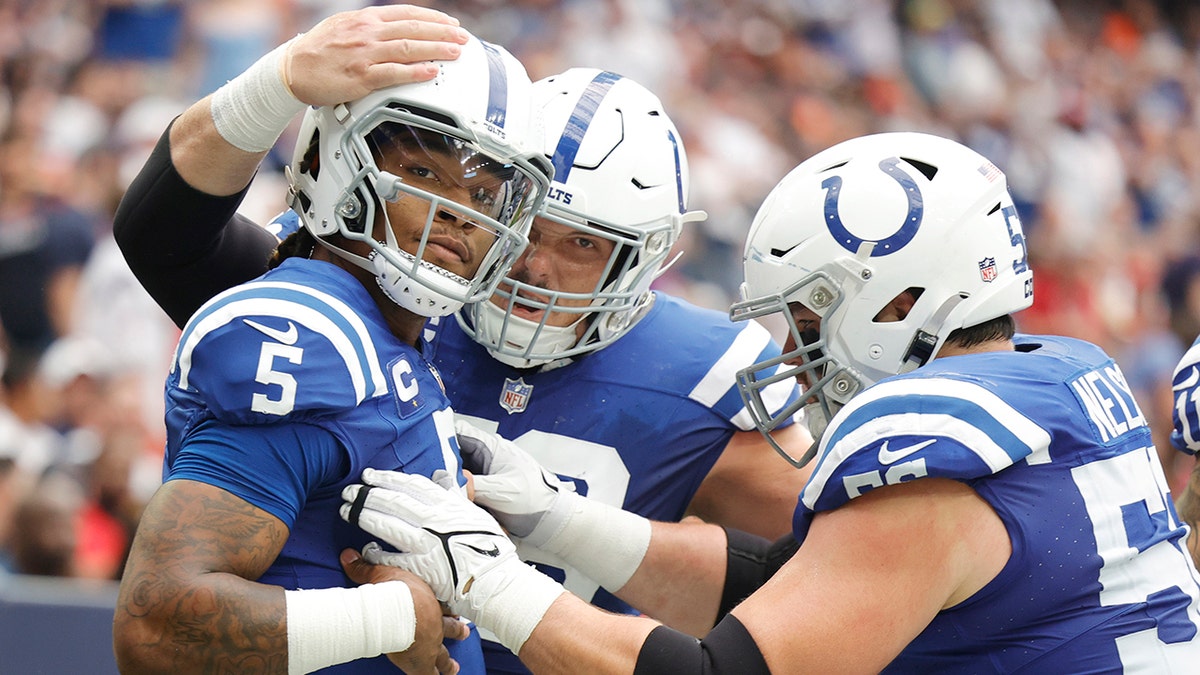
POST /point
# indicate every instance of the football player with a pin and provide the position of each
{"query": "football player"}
(627, 394)
(415, 197)
(981, 500)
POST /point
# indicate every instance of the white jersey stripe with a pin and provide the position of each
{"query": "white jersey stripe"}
(355, 349)
(744, 351)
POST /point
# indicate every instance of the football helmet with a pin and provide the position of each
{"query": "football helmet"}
(852, 228)
(620, 173)
(464, 143)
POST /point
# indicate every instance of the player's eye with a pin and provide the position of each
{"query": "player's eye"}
(422, 172)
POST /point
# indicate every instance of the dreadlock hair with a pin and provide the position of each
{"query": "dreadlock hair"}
(299, 244)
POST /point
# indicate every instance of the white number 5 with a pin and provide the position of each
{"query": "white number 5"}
(1126, 502)
(269, 376)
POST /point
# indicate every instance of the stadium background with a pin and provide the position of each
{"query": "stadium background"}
(1091, 107)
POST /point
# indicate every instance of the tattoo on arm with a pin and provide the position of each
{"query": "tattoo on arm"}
(187, 598)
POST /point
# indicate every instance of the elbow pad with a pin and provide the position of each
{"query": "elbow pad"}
(750, 561)
(728, 649)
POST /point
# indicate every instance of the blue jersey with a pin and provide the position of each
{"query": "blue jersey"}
(637, 424)
(283, 390)
(1050, 436)
(1186, 415)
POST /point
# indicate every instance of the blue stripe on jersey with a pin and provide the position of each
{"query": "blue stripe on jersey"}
(968, 413)
(497, 110)
(577, 124)
(313, 309)
(678, 171)
(934, 408)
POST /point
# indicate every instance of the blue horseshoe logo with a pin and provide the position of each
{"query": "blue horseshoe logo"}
(897, 240)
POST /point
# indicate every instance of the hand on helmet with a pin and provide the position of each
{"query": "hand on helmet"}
(351, 54)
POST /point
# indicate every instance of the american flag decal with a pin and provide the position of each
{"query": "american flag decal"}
(987, 269)
(990, 172)
(515, 396)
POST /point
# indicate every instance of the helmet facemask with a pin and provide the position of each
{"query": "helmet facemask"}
(600, 314)
(398, 157)
(827, 382)
(621, 177)
(431, 186)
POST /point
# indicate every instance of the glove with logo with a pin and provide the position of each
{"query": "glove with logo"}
(455, 546)
(600, 540)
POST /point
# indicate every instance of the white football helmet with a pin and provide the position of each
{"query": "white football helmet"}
(849, 230)
(620, 172)
(476, 117)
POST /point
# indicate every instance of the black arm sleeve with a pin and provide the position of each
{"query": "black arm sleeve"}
(183, 245)
(727, 650)
(749, 562)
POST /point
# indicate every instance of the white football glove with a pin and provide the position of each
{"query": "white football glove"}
(455, 546)
(600, 540)
(523, 496)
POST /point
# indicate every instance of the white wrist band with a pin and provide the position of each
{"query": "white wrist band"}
(601, 541)
(329, 626)
(513, 609)
(252, 110)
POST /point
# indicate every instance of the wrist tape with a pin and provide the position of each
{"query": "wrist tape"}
(252, 110)
(514, 600)
(602, 541)
(329, 626)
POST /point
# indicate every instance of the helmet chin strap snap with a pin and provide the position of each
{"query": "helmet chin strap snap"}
(926, 341)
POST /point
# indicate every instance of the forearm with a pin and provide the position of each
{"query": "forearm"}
(188, 602)
(203, 157)
(612, 645)
(620, 643)
(751, 488)
(221, 624)
(680, 579)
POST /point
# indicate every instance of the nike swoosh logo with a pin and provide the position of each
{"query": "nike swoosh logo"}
(287, 337)
(491, 554)
(1189, 382)
(887, 456)
(547, 483)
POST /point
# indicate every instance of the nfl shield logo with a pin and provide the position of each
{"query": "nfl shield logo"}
(515, 395)
(987, 269)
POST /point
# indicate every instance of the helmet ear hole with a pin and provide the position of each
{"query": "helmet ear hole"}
(897, 308)
(310, 163)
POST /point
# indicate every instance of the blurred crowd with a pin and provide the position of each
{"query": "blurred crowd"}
(1091, 107)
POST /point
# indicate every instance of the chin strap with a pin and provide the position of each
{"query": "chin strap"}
(925, 342)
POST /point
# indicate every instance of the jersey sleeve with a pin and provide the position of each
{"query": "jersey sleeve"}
(269, 352)
(274, 467)
(1185, 387)
(748, 343)
(908, 428)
